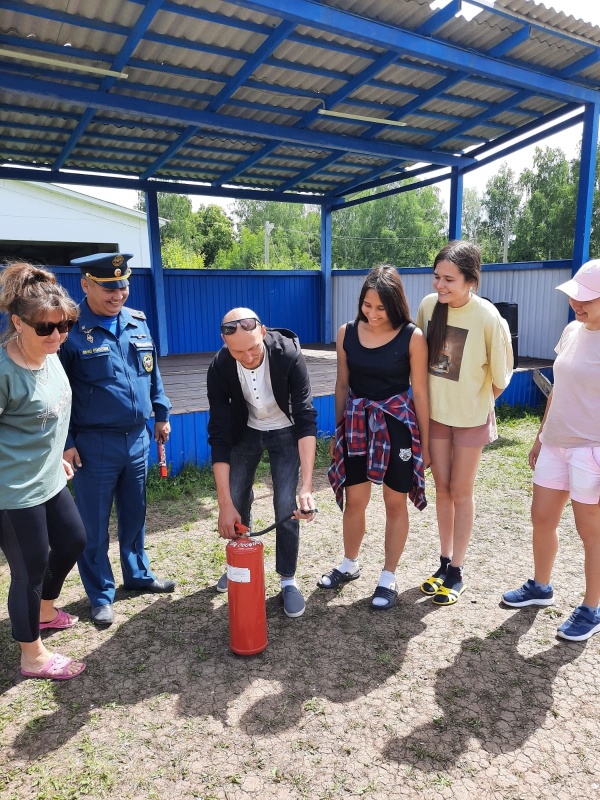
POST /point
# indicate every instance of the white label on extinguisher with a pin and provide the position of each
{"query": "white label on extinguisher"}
(238, 574)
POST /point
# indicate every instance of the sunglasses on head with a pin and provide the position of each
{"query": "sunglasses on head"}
(247, 324)
(47, 328)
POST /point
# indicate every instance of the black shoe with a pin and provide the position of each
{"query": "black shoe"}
(103, 615)
(156, 587)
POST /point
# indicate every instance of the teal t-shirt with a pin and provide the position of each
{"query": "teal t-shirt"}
(34, 419)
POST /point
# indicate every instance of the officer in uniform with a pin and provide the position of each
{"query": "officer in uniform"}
(110, 360)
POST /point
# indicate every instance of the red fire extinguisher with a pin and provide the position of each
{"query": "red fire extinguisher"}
(246, 590)
(162, 459)
(246, 593)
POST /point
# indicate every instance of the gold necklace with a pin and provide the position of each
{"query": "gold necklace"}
(41, 375)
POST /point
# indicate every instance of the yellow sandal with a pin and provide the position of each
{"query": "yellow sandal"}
(447, 597)
(431, 585)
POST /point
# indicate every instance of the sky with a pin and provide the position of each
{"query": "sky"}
(568, 141)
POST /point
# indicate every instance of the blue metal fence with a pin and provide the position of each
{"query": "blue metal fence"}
(196, 301)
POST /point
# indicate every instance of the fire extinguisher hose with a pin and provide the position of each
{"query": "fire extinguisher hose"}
(244, 530)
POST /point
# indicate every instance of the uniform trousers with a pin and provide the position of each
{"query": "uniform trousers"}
(114, 467)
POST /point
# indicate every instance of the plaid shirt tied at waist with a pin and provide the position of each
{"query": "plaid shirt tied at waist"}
(366, 433)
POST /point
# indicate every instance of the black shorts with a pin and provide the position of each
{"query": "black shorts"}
(399, 473)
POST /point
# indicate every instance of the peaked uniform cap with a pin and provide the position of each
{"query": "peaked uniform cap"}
(107, 269)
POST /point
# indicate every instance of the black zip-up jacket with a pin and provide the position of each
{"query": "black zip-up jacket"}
(291, 388)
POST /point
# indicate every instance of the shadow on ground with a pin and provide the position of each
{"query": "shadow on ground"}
(334, 652)
(489, 692)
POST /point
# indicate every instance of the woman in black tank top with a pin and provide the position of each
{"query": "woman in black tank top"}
(379, 355)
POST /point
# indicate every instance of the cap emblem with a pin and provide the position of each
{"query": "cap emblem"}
(117, 261)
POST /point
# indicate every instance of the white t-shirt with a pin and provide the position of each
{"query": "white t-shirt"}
(263, 412)
(574, 416)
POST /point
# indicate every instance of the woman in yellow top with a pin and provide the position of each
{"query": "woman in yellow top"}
(470, 364)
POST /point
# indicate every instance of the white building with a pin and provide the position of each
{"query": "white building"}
(50, 225)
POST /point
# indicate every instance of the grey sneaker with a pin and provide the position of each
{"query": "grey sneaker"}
(222, 583)
(293, 602)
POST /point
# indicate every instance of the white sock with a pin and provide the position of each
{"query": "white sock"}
(388, 580)
(348, 565)
(288, 582)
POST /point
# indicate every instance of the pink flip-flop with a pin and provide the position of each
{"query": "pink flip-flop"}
(57, 669)
(61, 621)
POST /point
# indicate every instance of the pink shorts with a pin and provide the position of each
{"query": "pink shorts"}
(571, 469)
(478, 436)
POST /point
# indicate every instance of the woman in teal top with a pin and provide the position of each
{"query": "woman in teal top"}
(41, 533)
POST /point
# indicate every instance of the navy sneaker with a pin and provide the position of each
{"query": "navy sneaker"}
(529, 595)
(582, 624)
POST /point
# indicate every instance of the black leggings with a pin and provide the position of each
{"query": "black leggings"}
(41, 545)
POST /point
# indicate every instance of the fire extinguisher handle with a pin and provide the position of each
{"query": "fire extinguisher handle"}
(280, 521)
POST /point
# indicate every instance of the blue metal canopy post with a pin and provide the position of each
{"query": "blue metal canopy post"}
(456, 203)
(585, 192)
(158, 286)
(326, 293)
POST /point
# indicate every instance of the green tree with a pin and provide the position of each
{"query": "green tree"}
(472, 215)
(546, 225)
(500, 202)
(405, 230)
(176, 255)
(177, 210)
(214, 232)
(294, 234)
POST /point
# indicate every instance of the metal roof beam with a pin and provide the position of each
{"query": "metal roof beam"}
(91, 179)
(514, 147)
(311, 13)
(217, 122)
(60, 16)
(440, 17)
(135, 36)
(379, 195)
(512, 41)
(583, 63)
(264, 51)
(377, 66)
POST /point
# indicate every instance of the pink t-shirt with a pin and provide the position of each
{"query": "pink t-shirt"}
(574, 416)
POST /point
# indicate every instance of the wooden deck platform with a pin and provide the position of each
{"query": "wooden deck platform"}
(184, 376)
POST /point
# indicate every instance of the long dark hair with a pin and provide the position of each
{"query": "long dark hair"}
(386, 282)
(31, 292)
(467, 257)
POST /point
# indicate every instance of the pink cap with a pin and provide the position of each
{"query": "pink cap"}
(585, 284)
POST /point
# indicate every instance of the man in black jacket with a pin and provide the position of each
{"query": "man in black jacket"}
(260, 399)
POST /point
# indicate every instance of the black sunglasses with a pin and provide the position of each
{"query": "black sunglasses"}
(247, 324)
(47, 328)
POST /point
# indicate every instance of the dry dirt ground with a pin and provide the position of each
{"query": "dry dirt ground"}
(473, 701)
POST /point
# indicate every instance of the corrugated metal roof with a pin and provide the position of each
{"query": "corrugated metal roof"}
(227, 94)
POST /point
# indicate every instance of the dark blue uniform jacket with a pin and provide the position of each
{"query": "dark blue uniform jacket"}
(116, 382)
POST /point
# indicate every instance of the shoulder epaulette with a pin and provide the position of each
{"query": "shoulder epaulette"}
(136, 314)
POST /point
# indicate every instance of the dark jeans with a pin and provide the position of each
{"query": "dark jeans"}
(41, 545)
(282, 447)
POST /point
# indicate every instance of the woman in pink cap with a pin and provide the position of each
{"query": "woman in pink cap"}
(566, 458)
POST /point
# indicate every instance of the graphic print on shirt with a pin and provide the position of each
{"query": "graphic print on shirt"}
(448, 363)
